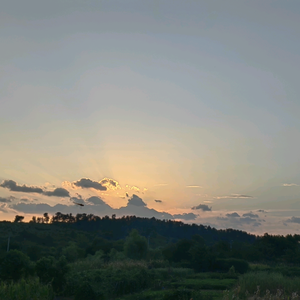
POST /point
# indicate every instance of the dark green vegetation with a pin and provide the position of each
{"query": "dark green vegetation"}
(88, 257)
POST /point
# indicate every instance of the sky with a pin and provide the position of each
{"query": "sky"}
(187, 110)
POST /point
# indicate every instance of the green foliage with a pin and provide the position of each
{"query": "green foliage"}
(24, 290)
(50, 270)
(15, 265)
(136, 246)
(267, 281)
(71, 252)
(240, 266)
(85, 291)
(45, 269)
(113, 279)
(231, 270)
(179, 294)
(207, 284)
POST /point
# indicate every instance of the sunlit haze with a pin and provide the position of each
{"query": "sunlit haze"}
(184, 110)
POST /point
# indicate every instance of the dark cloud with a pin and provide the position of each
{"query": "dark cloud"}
(203, 207)
(86, 183)
(235, 220)
(250, 215)
(185, 216)
(58, 192)
(261, 211)
(40, 208)
(96, 200)
(127, 195)
(14, 187)
(158, 201)
(136, 200)
(293, 220)
(77, 200)
(233, 215)
(5, 200)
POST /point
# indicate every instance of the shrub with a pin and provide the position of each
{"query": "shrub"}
(24, 290)
(136, 246)
(85, 291)
(15, 265)
(240, 266)
(268, 281)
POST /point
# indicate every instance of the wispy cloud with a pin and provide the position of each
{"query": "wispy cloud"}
(158, 201)
(234, 196)
(250, 215)
(290, 184)
(194, 186)
(132, 188)
(161, 184)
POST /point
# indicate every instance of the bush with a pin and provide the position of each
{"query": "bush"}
(15, 265)
(268, 281)
(50, 270)
(240, 266)
(24, 290)
(179, 294)
(136, 246)
(85, 291)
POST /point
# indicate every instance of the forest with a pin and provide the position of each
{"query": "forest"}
(89, 257)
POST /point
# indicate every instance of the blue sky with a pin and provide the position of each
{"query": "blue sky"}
(160, 95)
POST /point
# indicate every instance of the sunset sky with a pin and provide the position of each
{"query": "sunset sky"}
(174, 109)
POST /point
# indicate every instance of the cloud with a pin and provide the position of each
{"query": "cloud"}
(236, 221)
(233, 215)
(293, 220)
(158, 201)
(261, 210)
(5, 200)
(290, 184)
(250, 215)
(77, 200)
(186, 216)
(194, 186)
(86, 183)
(127, 195)
(14, 187)
(96, 200)
(203, 207)
(58, 192)
(161, 184)
(234, 196)
(136, 200)
(110, 183)
(133, 188)
(248, 220)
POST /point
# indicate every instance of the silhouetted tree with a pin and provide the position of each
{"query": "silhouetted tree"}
(18, 219)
